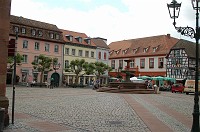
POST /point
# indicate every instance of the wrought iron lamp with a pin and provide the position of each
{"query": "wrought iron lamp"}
(174, 9)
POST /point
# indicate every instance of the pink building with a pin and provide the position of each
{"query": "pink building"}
(35, 38)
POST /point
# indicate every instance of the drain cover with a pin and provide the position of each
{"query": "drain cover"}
(115, 122)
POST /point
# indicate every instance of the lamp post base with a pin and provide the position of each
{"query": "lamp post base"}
(4, 103)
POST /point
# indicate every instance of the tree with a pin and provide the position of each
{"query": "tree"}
(101, 68)
(77, 66)
(43, 64)
(10, 65)
(10, 60)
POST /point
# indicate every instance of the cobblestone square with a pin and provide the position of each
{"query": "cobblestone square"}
(85, 110)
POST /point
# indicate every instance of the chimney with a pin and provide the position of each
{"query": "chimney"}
(168, 36)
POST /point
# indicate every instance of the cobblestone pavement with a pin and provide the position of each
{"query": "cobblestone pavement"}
(85, 110)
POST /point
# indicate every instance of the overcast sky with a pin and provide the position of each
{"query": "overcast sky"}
(113, 20)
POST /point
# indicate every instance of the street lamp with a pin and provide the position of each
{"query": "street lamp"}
(56, 66)
(174, 9)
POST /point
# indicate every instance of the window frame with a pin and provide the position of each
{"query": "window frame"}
(25, 58)
(86, 53)
(37, 46)
(25, 44)
(151, 62)
(80, 52)
(56, 48)
(113, 64)
(142, 62)
(46, 47)
(73, 52)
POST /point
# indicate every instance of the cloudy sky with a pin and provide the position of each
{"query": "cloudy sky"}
(114, 20)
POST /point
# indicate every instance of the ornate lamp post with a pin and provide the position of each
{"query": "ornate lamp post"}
(56, 66)
(174, 9)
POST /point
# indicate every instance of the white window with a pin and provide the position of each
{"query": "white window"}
(33, 32)
(86, 53)
(80, 53)
(25, 44)
(25, 58)
(57, 36)
(16, 29)
(67, 51)
(36, 59)
(37, 45)
(66, 63)
(56, 48)
(80, 40)
(132, 64)
(23, 30)
(70, 38)
(40, 33)
(51, 35)
(92, 54)
(46, 48)
(113, 64)
(73, 52)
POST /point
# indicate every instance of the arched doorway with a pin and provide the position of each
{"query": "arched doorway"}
(56, 78)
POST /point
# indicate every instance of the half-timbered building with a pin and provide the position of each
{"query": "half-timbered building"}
(181, 60)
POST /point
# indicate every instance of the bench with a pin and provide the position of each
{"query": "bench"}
(127, 85)
(39, 85)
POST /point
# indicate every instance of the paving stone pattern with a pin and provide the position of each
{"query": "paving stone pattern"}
(85, 110)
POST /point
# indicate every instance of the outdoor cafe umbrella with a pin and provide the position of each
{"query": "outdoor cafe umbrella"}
(158, 78)
(145, 77)
(169, 79)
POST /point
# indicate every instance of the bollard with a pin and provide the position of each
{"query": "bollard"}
(2, 114)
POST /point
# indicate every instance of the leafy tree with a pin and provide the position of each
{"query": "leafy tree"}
(43, 64)
(10, 60)
(77, 66)
(101, 68)
(10, 64)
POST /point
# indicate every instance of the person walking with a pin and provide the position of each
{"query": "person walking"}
(52, 83)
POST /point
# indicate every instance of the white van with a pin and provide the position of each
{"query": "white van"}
(190, 86)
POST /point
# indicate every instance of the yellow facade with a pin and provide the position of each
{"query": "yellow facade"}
(70, 77)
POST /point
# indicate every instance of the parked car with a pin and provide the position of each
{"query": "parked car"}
(190, 86)
(177, 88)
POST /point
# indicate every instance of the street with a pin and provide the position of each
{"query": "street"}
(85, 110)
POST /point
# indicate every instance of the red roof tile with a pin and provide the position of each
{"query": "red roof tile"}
(75, 35)
(161, 44)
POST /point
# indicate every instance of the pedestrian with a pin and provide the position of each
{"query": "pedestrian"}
(52, 83)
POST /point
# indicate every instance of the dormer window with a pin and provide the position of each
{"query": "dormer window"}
(16, 29)
(79, 39)
(57, 36)
(155, 48)
(135, 50)
(125, 51)
(23, 30)
(117, 51)
(33, 32)
(40, 33)
(111, 52)
(51, 35)
(88, 40)
(69, 37)
(145, 49)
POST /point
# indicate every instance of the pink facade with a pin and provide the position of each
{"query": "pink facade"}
(26, 71)
(36, 38)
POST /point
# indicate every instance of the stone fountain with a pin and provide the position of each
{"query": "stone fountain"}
(127, 86)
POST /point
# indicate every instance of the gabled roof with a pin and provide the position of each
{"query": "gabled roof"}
(33, 23)
(188, 46)
(163, 42)
(99, 42)
(74, 36)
